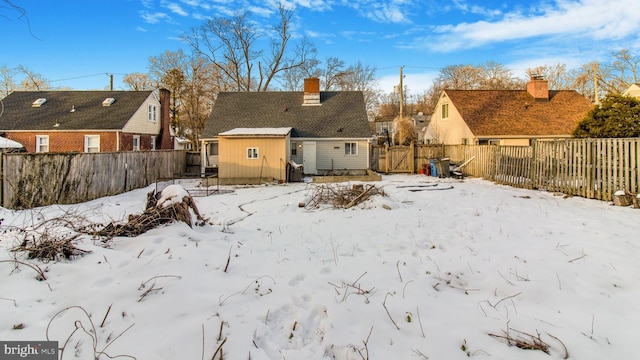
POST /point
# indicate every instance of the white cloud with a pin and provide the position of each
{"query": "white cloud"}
(596, 19)
(415, 82)
(154, 18)
(176, 8)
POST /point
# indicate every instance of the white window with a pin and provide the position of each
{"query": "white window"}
(351, 148)
(153, 142)
(252, 153)
(91, 143)
(153, 113)
(136, 142)
(42, 143)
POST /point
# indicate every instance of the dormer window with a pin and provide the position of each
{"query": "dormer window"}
(108, 101)
(39, 102)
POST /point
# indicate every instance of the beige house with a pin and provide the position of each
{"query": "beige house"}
(506, 117)
(633, 90)
(251, 137)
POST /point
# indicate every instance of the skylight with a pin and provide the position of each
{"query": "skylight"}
(39, 102)
(108, 101)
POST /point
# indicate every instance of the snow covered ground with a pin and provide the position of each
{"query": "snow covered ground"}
(437, 274)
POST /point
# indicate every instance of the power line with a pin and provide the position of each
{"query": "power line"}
(85, 76)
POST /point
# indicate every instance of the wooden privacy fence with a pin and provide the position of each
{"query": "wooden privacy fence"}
(403, 159)
(31, 180)
(591, 168)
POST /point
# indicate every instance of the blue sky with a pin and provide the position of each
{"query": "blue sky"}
(76, 43)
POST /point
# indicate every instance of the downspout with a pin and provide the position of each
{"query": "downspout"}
(369, 154)
(203, 158)
(118, 140)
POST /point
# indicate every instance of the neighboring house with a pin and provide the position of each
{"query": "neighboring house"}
(87, 121)
(633, 90)
(387, 128)
(256, 135)
(506, 117)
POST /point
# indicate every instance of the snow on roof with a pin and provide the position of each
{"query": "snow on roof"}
(257, 131)
(9, 144)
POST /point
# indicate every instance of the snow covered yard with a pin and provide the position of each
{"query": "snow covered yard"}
(471, 271)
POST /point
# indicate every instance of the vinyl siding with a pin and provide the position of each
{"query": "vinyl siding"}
(448, 131)
(139, 123)
(330, 155)
(271, 161)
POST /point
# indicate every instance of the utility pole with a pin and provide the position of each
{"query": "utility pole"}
(401, 93)
(110, 81)
(595, 84)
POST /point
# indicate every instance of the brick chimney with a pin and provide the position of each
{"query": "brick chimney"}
(538, 87)
(165, 139)
(311, 92)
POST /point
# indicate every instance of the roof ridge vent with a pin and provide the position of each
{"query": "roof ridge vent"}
(39, 102)
(108, 101)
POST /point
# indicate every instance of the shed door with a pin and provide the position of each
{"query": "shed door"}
(309, 157)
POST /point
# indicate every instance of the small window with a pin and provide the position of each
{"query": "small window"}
(42, 143)
(153, 113)
(351, 148)
(213, 149)
(153, 142)
(91, 143)
(136, 142)
(445, 111)
(294, 148)
(252, 153)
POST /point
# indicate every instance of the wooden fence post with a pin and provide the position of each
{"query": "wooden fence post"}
(387, 158)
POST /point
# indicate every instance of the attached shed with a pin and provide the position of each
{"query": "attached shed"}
(252, 155)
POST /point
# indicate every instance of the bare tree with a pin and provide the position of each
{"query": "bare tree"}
(488, 76)
(360, 77)
(137, 81)
(197, 99)
(557, 76)
(293, 77)
(495, 76)
(331, 74)
(7, 82)
(32, 80)
(194, 83)
(230, 45)
(625, 68)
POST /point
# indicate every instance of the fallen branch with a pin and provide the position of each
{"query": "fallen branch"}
(531, 342)
(387, 310)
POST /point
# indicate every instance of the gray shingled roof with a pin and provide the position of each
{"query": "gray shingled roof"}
(341, 115)
(18, 113)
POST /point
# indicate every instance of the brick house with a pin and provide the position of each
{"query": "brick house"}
(87, 121)
(506, 117)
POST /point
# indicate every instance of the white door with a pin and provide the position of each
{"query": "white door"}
(309, 157)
